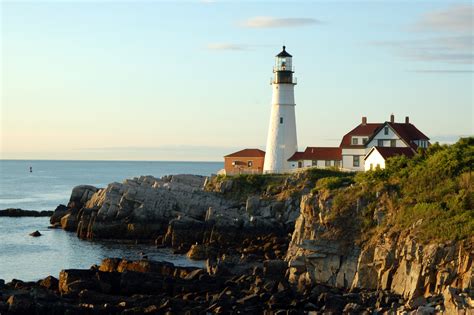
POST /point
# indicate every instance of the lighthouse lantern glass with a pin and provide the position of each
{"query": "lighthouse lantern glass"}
(283, 63)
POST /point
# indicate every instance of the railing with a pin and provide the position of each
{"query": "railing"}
(293, 81)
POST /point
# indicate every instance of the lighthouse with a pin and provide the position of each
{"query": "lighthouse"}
(281, 139)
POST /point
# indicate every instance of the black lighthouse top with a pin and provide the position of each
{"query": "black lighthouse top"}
(283, 68)
(284, 53)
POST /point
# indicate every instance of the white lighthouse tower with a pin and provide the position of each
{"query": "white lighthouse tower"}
(281, 140)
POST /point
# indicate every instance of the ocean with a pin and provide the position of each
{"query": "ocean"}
(49, 184)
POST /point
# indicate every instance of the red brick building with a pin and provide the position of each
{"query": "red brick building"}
(247, 161)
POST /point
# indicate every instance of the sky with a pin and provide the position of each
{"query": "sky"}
(155, 80)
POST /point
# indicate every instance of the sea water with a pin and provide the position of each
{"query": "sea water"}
(49, 184)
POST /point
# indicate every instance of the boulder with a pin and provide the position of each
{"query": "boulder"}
(50, 283)
(110, 264)
(274, 269)
(20, 304)
(58, 213)
(35, 234)
(69, 222)
(72, 281)
(201, 252)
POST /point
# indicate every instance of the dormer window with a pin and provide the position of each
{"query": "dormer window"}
(355, 141)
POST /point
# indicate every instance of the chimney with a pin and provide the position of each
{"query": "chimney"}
(407, 120)
(364, 120)
(392, 118)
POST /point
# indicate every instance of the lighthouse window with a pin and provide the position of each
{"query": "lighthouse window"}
(281, 120)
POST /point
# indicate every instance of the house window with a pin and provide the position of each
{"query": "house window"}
(393, 143)
(364, 140)
(355, 141)
(380, 143)
(337, 163)
(314, 163)
(300, 164)
(355, 161)
(327, 163)
(281, 120)
(385, 131)
(249, 163)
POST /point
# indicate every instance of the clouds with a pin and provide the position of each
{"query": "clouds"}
(273, 22)
(449, 49)
(458, 18)
(226, 46)
(260, 22)
(441, 36)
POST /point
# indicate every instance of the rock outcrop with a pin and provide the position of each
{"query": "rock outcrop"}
(14, 212)
(167, 209)
(393, 262)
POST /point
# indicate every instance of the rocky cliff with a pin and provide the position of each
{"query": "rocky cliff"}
(396, 262)
(408, 229)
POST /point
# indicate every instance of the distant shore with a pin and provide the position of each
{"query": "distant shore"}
(13, 212)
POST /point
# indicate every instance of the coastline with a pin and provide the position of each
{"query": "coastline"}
(320, 240)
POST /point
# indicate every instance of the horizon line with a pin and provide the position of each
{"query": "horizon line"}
(96, 160)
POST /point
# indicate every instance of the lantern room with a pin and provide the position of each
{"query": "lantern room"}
(283, 68)
(283, 61)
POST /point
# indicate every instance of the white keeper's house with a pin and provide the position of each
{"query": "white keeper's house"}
(365, 147)
(369, 144)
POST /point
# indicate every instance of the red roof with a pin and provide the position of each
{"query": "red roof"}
(298, 156)
(315, 153)
(362, 130)
(247, 153)
(387, 152)
(408, 132)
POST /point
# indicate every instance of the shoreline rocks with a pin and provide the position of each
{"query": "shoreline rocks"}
(120, 286)
(16, 213)
(165, 209)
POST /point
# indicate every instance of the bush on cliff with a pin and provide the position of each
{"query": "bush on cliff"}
(431, 193)
(281, 185)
